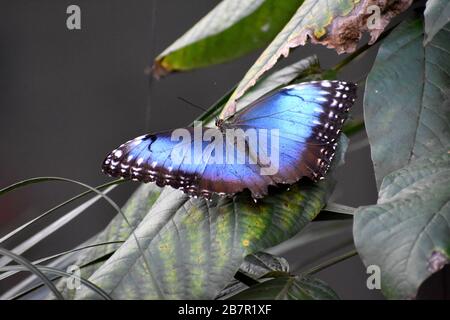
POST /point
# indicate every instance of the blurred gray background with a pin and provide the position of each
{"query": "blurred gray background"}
(69, 97)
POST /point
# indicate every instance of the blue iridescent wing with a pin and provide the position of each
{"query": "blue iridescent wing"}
(305, 120)
(309, 117)
(150, 158)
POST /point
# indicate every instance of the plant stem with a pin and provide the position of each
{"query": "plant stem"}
(331, 262)
(350, 58)
(353, 127)
(46, 213)
(33, 269)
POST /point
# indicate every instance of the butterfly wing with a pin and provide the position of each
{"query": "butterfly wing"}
(309, 118)
(151, 158)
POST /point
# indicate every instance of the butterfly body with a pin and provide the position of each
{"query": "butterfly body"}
(278, 139)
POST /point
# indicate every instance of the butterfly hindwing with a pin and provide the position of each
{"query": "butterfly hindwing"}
(309, 117)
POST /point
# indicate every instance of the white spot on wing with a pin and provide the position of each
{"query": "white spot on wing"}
(318, 110)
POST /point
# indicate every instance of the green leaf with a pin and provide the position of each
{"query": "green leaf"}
(314, 233)
(437, 15)
(305, 69)
(339, 208)
(260, 263)
(407, 98)
(407, 233)
(288, 288)
(255, 266)
(335, 211)
(194, 247)
(135, 209)
(336, 24)
(232, 29)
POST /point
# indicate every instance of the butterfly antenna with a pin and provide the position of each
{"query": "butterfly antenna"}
(192, 104)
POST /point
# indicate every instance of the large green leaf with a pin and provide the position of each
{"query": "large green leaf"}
(232, 29)
(336, 24)
(288, 288)
(135, 210)
(407, 98)
(194, 247)
(407, 233)
(437, 15)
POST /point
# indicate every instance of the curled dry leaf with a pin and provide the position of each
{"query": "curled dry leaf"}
(344, 32)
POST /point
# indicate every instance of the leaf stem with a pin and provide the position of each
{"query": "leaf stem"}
(42, 260)
(353, 127)
(33, 269)
(331, 262)
(350, 57)
(61, 273)
(46, 213)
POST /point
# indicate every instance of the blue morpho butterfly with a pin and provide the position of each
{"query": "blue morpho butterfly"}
(298, 127)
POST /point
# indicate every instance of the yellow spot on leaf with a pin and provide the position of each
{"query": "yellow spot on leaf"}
(320, 33)
(164, 247)
(245, 243)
